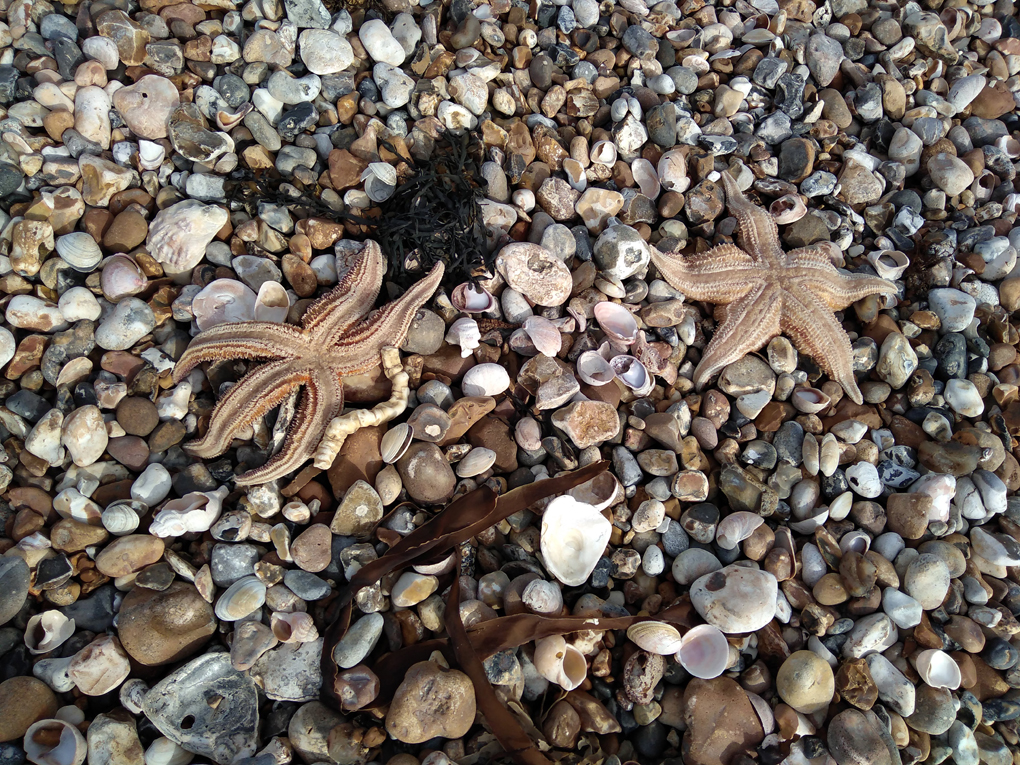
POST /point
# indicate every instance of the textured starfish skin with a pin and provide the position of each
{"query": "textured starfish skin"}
(335, 339)
(761, 291)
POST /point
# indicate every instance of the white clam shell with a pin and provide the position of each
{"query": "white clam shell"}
(788, 209)
(120, 517)
(646, 177)
(243, 597)
(543, 597)
(603, 153)
(380, 181)
(594, 369)
(559, 662)
(672, 170)
(705, 652)
(617, 322)
(574, 536)
(272, 303)
(296, 627)
(70, 747)
(889, 264)
(938, 669)
(633, 374)
(470, 298)
(395, 442)
(477, 461)
(47, 631)
(809, 400)
(655, 637)
(79, 250)
(543, 334)
(223, 301)
(736, 527)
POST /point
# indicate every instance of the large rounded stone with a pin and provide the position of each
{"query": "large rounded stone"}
(431, 701)
(721, 723)
(161, 627)
(426, 473)
(736, 599)
(805, 682)
(855, 738)
(24, 701)
(15, 578)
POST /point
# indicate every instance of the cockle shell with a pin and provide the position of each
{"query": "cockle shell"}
(938, 669)
(544, 334)
(47, 631)
(179, 234)
(603, 153)
(617, 322)
(788, 209)
(79, 250)
(395, 442)
(241, 598)
(809, 400)
(633, 374)
(121, 518)
(594, 369)
(196, 511)
(470, 298)
(465, 333)
(296, 627)
(54, 742)
(574, 536)
(272, 303)
(150, 155)
(223, 301)
(543, 597)
(646, 177)
(560, 663)
(704, 652)
(380, 181)
(672, 169)
(889, 264)
(655, 637)
(735, 528)
(121, 278)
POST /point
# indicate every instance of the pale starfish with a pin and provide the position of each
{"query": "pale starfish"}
(336, 339)
(761, 291)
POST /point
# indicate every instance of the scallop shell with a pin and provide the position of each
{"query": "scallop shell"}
(179, 234)
(543, 597)
(79, 250)
(603, 153)
(54, 742)
(574, 536)
(120, 517)
(121, 277)
(594, 369)
(735, 528)
(543, 334)
(465, 333)
(704, 652)
(294, 628)
(380, 181)
(560, 663)
(788, 209)
(646, 177)
(672, 170)
(655, 637)
(617, 322)
(395, 442)
(477, 461)
(938, 669)
(809, 400)
(889, 264)
(243, 597)
(47, 631)
(223, 301)
(633, 374)
(470, 298)
(272, 303)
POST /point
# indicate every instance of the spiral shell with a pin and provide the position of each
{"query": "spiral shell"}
(47, 631)
(543, 597)
(672, 169)
(294, 628)
(560, 663)
(54, 742)
(79, 250)
(243, 597)
(655, 637)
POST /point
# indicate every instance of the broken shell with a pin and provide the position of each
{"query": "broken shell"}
(121, 278)
(227, 121)
(543, 334)
(444, 566)
(272, 303)
(599, 492)
(938, 669)
(855, 541)
(179, 234)
(79, 250)
(465, 333)
(543, 597)
(1009, 145)
(294, 628)
(788, 209)
(120, 517)
(889, 264)
(736, 527)
(672, 169)
(380, 181)
(617, 322)
(53, 672)
(809, 400)
(470, 298)
(633, 374)
(646, 177)
(560, 663)
(704, 652)
(655, 637)
(243, 597)
(594, 369)
(150, 155)
(100, 666)
(603, 153)
(47, 631)
(808, 525)
(223, 301)
(196, 511)
(54, 742)
(574, 536)
(395, 442)
(477, 461)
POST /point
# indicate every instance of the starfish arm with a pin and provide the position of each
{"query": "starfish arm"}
(241, 340)
(814, 330)
(747, 326)
(351, 299)
(814, 256)
(721, 275)
(259, 391)
(840, 289)
(359, 349)
(758, 233)
(321, 401)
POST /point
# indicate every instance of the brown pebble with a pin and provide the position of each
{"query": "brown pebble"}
(137, 415)
(24, 701)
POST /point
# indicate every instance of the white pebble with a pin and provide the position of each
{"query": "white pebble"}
(79, 303)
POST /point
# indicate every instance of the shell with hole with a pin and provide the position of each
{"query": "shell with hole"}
(559, 662)
(938, 669)
(196, 512)
(704, 652)
(655, 637)
(47, 631)
(296, 627)
(617, 322)
(788, 209)
(79, 250)
(223, 301)
(54, 742)
(574, 536)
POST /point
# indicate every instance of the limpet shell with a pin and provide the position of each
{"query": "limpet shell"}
(243, 597)
(617, 322)
(79, 250)
(593, 369)
(704, 652)
(889, 264)
(788, 209)
(54, 742)
(395, 442)
(470, 298)
(938, 669)
(47, 631)
(655, 637)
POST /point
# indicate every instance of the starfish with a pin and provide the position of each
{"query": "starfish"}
(761, 291)
(335, 339)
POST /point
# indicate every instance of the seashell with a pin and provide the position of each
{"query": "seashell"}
(788, 209)
(889, 264)
(163, 751)
(223, 301)
(121, 277)
(47, 631)
(938, 669)
(983, 186)
(272, 303)
(633, 374)
(655, 637)
(196, 511)
(380, 181)
(603, 153)
(809, 400)
(54, 742)
(617, 322)
(840, 507)
(1010, 145)
(646, 177)
(560, 663)
(735, 528)
(395, 442)
(121, 518)
(465, 333)
(179, 234)
(243, 597)
(150, 155)
(543, 597)
(672, 169)
(227, 121)
(79, 250)
(297, 627)
(599, 492)
(477, 461)
(704, 652)
(594, 369)
(853, 541)
(543, 334)
(576, 176)
(574, 536)
(444, 566)
(807, 526)
(357, 199)
(470, 298)
(764, 712)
